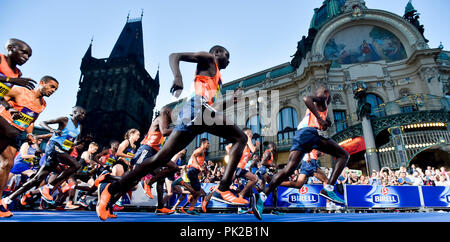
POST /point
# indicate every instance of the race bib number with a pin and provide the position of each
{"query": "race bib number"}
(110, 161)
(67, 144)
(4, 89)
(29, 161)
(27, 118)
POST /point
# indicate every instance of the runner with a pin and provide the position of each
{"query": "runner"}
(310, 166)
(190, 123)
(17, 54)
(56, 152)
(124, 154)
(310, 135)
(241, 172)
(27, 105)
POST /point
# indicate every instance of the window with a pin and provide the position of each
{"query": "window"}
(340, 120)
(222, 143)
(287, 123)
(377, 105)
(408, 108)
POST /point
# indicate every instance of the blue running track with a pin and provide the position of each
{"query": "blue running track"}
(89, 216)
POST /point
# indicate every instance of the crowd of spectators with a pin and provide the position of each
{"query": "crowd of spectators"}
(411, 176)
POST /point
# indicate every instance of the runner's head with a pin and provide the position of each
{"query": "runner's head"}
(221, 55)
(78, 113)
(18, 51)
(133, 135)
(272, 146)
(324, 92)
(114, 144)
(204, 143)
(248, 132)
(93, 147)
(48, 85)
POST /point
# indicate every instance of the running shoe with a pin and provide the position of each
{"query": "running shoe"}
(70, 206)
(182, 210)
(242, 210)
(255, 210)
(83, 201)
(192, 212)
(147, 189)
(164, 211)
(204, 204)
(104, 197)
(45, 193)
(4, 212)
(25, 197)
(228, 197)
(276, 212)
(331, 195)
(118, 206)
(101, 178)
(68, 187)
(332, 206)
(260, 199)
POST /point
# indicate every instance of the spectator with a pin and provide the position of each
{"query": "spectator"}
(416, 179)
(403, 180)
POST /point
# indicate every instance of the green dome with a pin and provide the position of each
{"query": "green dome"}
(329, 10)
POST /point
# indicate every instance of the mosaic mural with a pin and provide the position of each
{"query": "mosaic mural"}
(361, 44)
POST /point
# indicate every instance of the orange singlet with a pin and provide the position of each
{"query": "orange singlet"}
(311, 121)
(270, 161)
(25, 105)
(246, 154)
(208, 87)
(200, 161)
(153, 139)
(5, 70)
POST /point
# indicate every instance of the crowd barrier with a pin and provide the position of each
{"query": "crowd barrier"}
(355, 196)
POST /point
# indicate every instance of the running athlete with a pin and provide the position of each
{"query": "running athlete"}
(207, 86)
(17, 54)
(310, 166)
(26, 158)
(56, 152)
(28, 104)
(310, 135)
(267, 164)
(151, 144)
(241, 171)
(125, 152)
(107, 157)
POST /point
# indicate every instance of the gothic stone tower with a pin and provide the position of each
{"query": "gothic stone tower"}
(117, 92)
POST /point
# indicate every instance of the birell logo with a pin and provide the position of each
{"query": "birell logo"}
(304, 197)
(385, 197)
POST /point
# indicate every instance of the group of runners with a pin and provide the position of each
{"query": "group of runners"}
(71, 162)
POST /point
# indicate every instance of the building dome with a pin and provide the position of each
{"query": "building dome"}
(329, 10)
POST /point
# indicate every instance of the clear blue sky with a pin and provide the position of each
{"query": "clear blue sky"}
(258, 33)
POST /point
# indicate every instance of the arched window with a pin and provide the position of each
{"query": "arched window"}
(287, 123)
(377, 105)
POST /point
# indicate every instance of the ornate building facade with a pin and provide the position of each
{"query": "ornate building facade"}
(117, 92)
(406, 84)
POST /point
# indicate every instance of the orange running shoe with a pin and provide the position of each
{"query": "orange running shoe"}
(182, 210)
(228, 197)
(68, 187)
(104, 197)
(165, 211)
(147, 189)
(4, 212)
(24, 198)
(101, 178)
(204, 204)
(45, 192)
